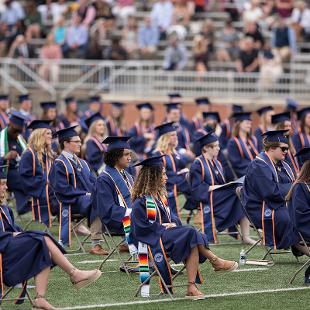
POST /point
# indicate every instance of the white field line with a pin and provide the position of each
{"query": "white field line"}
(251, 269)
(96, 261)
(138, 302)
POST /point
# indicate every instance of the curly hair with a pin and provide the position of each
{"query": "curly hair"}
(37, 143)
(149, 182)
(111, 157)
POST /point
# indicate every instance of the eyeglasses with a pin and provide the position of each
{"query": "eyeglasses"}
(76, 141)
(284, 149)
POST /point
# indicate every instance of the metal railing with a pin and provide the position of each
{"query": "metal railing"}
(141, 79)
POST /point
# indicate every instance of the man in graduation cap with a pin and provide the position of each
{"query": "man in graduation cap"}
(202, 105)
(94, 106)
(72, 181)
(142, 135)
(25, 109)
(177, 98)
(71, 115)
(12, 145)
(265, 114)
(112, 192)
(115, 120)
(4, 107)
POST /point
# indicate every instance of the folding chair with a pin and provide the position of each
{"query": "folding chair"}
(307, 263)
(166, 286)
(20, 299)
(109, 238)
(78, 219)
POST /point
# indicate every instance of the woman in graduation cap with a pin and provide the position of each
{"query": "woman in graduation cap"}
(93, 147)
(265, 114)
(282, 121)
(34, 167)
(299, 204)
(267, 182)
(301, 138)
(28, 254)
(142, 133)
(154, 225)
(115, 121)
(219, 208)
(202, 106)
(49, 112)
(242, 147)
(174, 164)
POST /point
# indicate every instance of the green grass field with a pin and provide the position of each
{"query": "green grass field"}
(251, 287)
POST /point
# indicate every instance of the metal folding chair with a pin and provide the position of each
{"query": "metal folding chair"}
(307, 263)
(9, 290)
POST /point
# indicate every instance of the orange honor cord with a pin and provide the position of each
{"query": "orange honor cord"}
(263, 222)
(274, 231)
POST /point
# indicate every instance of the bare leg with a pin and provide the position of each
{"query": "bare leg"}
(245, 230)
(218, 263)
(192, 263)
(59, 259)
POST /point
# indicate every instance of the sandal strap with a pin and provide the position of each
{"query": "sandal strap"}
(191, 283)
(38, 296)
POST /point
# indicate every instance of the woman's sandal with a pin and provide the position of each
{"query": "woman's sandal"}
(36, 307)
(85, 282)
(193, 296)
(227, 266)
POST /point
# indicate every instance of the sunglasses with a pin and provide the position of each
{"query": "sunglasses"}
(284, 149)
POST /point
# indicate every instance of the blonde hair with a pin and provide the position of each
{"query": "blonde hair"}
(92, 130)
(37, 143)
(163, 142)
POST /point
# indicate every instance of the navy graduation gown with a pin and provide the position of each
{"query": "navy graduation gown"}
(176, 183)
(94, 153)
(71, 186)
(25, 255)
(112, 128)
(34, 179)
(225, 134)
(240, 154)
(177, 241)
(258, 135)
(106, 203)
(263, 196)
(137, 142)
(292, 162)
(300, 140)
(221, 205)
(299, 207)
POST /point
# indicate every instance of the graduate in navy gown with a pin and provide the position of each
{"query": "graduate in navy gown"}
(72, 181)
(115, 122)
(292, 107)
(12, 144)
(155, 226)
(34, 168)
(28, 254)
(174, 163)
(184, 140)
(4, 107)
(219, 208)
(93, 147)
(267, 182)
(142, 133)
(111, 194)
(242, 146)
(71, 115)
(203, 105)
(94, 107)
(301, 137)
(265, 114)
(282, 121)
(49, 112)
(299, 205)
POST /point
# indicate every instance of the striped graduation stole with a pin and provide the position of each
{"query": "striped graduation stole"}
(304, 139)
(244, 149)
(100, 146)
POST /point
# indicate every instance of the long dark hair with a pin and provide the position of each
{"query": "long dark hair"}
(149, 182)
(303, 177)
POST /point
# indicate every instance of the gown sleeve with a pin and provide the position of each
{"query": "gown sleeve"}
(93, 155)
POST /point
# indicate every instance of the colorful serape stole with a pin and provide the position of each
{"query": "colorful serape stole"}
(144, 269)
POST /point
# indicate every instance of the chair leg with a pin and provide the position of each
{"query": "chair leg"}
(144, 282)
(298, 271)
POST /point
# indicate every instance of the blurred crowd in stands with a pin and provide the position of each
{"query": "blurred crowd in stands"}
(256, 35)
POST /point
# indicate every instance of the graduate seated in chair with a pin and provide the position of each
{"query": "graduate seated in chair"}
(267, 182)
(34, 168)
(219, 208)
(72, 181)
(156, 226)
(43, 253)
(299, 205)
(111, 195)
